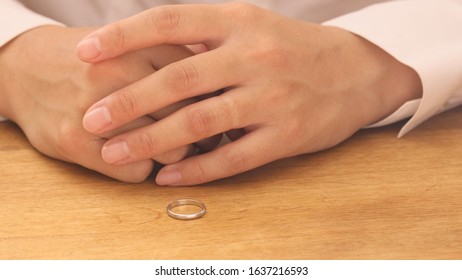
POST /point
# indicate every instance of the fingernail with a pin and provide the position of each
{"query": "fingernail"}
(168, 177)
(116, 152)
(89, 48)
(97, 119)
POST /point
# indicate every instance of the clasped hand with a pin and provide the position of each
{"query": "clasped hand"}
(287, 88)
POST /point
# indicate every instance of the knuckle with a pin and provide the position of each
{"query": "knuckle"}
(133, 173)
(271, 53)
(181, 77)
(241, 9)
(147, 143)
(240, 14)
(236, 161)
(140, 173)
(198, 173)
(200, 122)
(69, 140)
(117, 38)
(166, 18)
(126, 102)
(143, 144)
(276, 57)
(234, 111)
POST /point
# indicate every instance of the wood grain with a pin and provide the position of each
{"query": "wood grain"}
(373, 197)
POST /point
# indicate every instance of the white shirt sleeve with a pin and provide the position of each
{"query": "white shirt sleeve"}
(16, 19)
(425, 35)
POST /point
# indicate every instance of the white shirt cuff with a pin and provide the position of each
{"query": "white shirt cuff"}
(16, 19)
(425, 35)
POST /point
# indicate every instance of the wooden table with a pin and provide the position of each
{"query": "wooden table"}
(373, 197)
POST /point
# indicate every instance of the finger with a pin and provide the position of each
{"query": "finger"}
(251, 151)
(85, 150)
(170, 53)
(178, 81)
(169, 157)
(134, 172)
(190, 124)
(186, 151)
(211, 143)
(141, 122)
(176, 24)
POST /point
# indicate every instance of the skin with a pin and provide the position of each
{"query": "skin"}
(289, 88)
(46, 90)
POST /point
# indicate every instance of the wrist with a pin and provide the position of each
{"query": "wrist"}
(6, 90)
(398, 84)
(388, 84)
(30, 57)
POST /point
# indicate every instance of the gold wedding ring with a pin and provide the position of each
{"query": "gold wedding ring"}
(188, 216)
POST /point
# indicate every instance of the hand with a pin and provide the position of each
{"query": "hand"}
(290, 87)
(46, 91)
